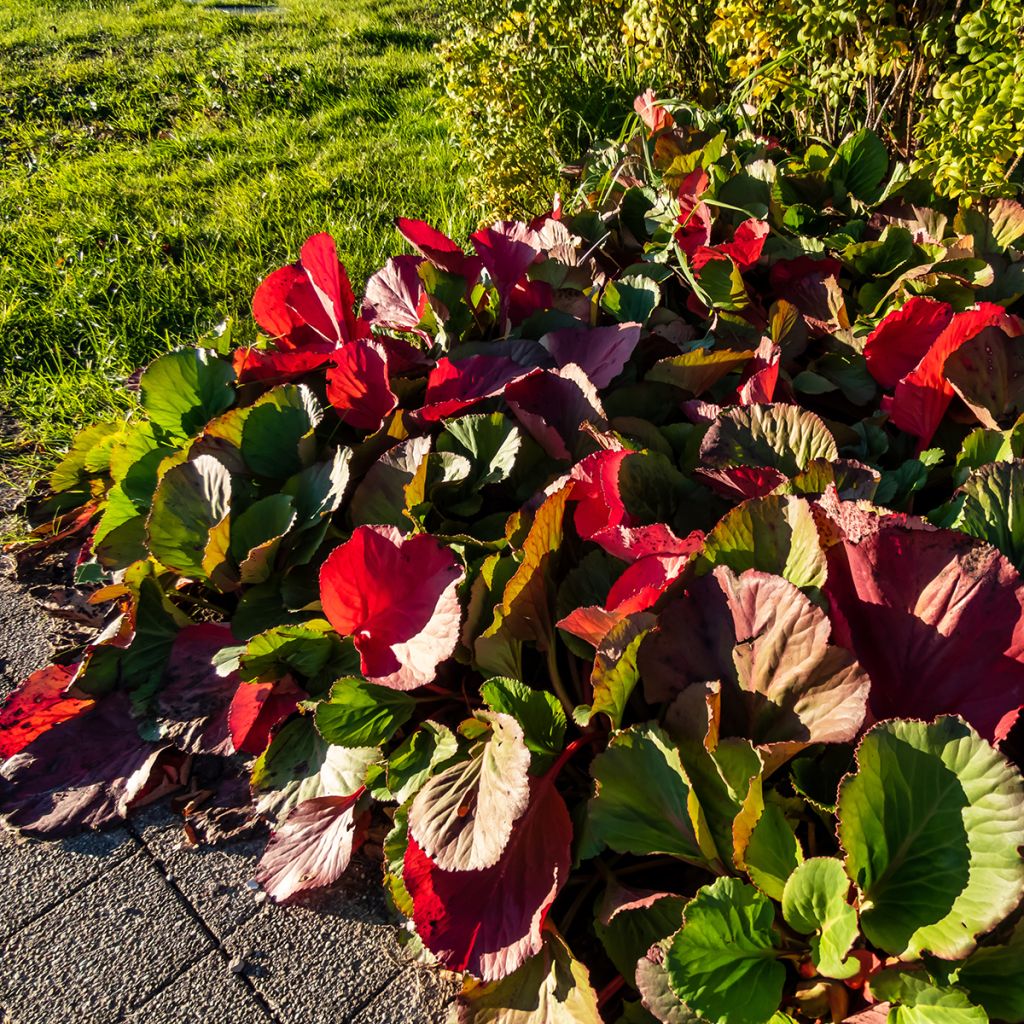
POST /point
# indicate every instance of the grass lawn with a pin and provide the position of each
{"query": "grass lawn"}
(157, 158)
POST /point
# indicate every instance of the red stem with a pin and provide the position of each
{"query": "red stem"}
(609, 990)
(564, 756)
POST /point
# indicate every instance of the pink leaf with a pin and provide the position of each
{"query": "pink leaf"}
(312, 848)
(602, 516)
(935, 617)
(553, 405)
(489, 922)
(81, 773)
(253, 364)
(507, 250)
(193, 703)
(654, 117)
(395, 297)
(923, 395)
(601, 352)
(309, 302)
(397, 598)
(438, 248)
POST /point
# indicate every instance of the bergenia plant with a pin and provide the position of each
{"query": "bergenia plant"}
(645, 580)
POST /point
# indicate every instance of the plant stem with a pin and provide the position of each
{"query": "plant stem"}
(556, 680)
(580, 741)
(609, 990)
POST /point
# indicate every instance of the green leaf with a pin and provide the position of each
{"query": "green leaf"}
(538, 712)
(277, 431)
(993, 978)
(182, 391)
(782, 437)
(640, 797)
(860, 166)
(814, 903)
(722, 284)
(628, 922)
(362, 714)
(550, 988)
(631, 299)
(417, 757)
(699, 369)
(723, 962)
(917, 999)
(775, 534)
(491, 442)
(71, 472)
(319, 489)
(931, 823)
(993, 508)
(615, 674)
(773, 852)
(256, 535)
(726, 795)
(299, 765)
(311, 649)
(463, 816)
(190, 500)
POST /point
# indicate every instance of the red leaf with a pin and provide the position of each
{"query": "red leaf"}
(193, 703)
(636, 590)
(694, 216)
(358, 387)
(37, 705)
(395, 297)
(454, 386)
(311, 849)
(924, 394)
(81, 773)
(507, 249)
(527, 298)
(747, 243)
(741, 482)
(256, 708)
(602, 516)
(601, 352)
(489, 922)
(761, 375)
(902, 338)
(935, 617)
(253, 364)
(397, 598)
(654, 117)
(310, 301)
(438, 248)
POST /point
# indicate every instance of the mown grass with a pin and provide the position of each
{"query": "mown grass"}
(158, 158)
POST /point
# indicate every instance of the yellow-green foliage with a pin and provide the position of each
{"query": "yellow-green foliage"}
(532, 82)
(972, 135)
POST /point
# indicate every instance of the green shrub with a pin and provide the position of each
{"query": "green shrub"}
(529, 86)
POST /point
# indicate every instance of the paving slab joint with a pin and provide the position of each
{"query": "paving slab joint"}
(223, 952)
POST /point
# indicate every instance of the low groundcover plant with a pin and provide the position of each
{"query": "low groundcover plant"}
(645, 578)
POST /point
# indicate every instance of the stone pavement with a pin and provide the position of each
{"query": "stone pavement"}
(131, 926)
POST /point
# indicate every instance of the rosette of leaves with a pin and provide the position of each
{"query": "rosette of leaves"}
(642, 580)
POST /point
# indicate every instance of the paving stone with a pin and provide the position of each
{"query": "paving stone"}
(415, 996)
(212, 878)
(206, 992)
(102, 952)
(39, 875)
(324, 958)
